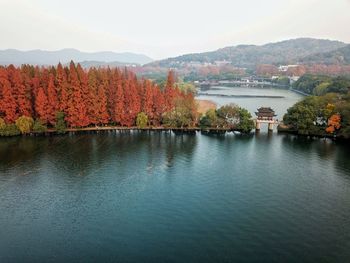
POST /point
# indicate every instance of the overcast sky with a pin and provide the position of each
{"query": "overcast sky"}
(161, 28)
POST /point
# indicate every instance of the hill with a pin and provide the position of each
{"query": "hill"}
(42, 57)
(248, 56)
(338, 56)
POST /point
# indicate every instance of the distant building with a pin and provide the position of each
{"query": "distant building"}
(222, 62)
(284, 68)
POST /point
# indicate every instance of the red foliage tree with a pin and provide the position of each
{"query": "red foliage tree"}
(102, 112)
(148, 100)
(92, 96)
(62, 88)
(170, 92)
(8, 102)
(53, 105)
(41, 105)
(76, 114)
(119, 107)
(132, 102)
(159, 106)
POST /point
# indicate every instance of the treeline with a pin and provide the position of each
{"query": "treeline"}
(56, 97)
(326, 113)
(320, 84)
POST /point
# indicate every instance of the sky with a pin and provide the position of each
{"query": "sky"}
(162, 28)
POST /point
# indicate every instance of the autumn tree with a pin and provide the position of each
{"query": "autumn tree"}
(76, 111)
(41, 105)
(333, 123)
(92, 96)
(119, 106)
(132, 102)
(8, 102)
(102, 111)
(25, 124)
(53, 105)
(141, 120)
(62, 89)
(170, 92)
(147, 106)
(158, 105)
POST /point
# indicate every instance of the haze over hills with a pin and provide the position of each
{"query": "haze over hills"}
(294, 51)
(248, 56)
(42, 57)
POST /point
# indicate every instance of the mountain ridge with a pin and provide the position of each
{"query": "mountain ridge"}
(248, 56)
(339, 56)
(47, 57)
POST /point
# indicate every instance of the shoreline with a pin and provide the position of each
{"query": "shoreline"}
(132, 128)
(175, 130)
(288, 131)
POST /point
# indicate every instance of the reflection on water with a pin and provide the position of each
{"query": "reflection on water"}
(139, 196)
(78, 154)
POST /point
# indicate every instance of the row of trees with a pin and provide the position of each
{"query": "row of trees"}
(81, 98)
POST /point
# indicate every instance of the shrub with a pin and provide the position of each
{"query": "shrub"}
(39, 126)
(10, 130)
(25, 124)
(2, 124)
(60, 125)
(141, 120)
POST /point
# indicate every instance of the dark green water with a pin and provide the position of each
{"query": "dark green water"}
(158, 197)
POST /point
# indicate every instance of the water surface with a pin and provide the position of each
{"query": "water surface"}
(131, 197)
(280, 105)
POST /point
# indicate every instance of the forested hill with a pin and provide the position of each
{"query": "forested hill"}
(338, 56)
(248, 56)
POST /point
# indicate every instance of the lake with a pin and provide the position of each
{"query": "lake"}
(159, 197)
(280, 105)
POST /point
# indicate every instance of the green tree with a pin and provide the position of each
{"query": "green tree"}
(25, 124)
(39, 126)
(60, 125)
(321, 89)
(186, 87)
(184, 113)
(210, 119)
(230, 115)
(246, 124)
(141, 120)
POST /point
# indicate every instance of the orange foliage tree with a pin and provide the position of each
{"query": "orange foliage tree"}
(333, 123)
